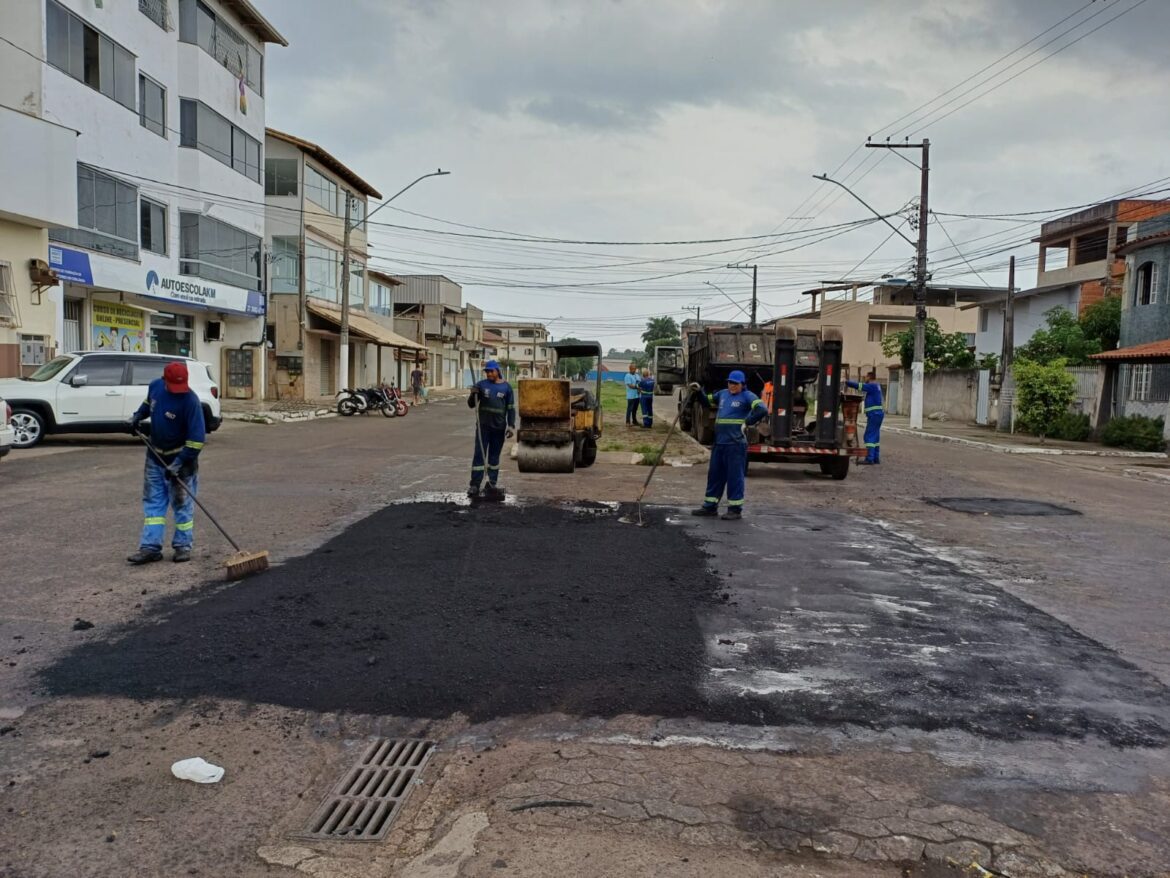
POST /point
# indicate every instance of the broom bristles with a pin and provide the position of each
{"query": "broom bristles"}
(244, 564)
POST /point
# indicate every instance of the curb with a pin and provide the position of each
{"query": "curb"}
(264, 417)
(1023, 449)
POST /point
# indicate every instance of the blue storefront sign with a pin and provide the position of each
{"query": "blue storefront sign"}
(70, 265)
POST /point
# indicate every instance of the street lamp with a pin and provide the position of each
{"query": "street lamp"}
(343, 372)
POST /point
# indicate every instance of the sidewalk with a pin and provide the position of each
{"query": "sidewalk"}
(270, 411)
(1006, 443)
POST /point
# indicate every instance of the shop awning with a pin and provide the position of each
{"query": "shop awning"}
(363, 327)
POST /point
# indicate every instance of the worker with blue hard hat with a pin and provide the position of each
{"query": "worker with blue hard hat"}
(875, 413)
(736, 409)
(495, 407)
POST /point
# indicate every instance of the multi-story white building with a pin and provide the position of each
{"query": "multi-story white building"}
(167, 99)
(526, 345)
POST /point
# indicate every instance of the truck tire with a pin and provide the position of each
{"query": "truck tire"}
(838, 468)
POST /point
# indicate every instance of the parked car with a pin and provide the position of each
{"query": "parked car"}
(95, 392)
(7, 434)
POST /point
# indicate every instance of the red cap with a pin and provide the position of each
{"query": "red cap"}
(175, 376)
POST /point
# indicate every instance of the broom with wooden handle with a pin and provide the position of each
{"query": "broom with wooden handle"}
(240, 564)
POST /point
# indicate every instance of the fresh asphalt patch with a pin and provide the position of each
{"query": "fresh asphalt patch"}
(807, 618)
(999, 506)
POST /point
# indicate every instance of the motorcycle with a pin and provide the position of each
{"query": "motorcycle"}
(355, 401)
(397, 400)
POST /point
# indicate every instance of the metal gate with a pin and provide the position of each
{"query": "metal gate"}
(893, 391)
(983, 399)
(239, 373)
(71, 339)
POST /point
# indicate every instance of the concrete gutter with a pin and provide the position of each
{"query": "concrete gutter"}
(1025, 449)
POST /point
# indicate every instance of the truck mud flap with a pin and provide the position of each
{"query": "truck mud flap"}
(783, 381)
(829, 391)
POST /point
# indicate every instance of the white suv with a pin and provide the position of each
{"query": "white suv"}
(95, 392)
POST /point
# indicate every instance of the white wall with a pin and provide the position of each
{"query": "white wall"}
(40, 160)
(1028, 317)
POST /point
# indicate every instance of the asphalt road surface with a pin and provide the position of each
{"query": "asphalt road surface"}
(1020, 661)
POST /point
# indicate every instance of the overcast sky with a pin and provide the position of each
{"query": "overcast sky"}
(688, 120)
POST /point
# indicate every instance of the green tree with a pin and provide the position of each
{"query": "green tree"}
(1062, 338)
(659, 328)
(1044, 391)
(941, 351)
(573, 366)
(1102, 321)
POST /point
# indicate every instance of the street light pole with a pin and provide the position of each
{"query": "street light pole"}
(343, 371)
(755, 272)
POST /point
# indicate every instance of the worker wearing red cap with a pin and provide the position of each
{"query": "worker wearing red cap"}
(177, 432)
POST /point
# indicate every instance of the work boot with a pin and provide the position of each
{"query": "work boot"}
(706, 511)
(473, 492)
(733, 513)
(491, 492)
(182, 553)
(145, 556)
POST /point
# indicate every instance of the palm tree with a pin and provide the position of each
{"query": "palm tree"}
(660, 328)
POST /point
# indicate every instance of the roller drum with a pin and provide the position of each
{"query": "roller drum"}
(545, 458)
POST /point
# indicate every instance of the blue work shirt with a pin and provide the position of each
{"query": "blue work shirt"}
(732, 412)
(873, 394)
(646, 386)
(631, 386)
(176, 422)
(497, 406)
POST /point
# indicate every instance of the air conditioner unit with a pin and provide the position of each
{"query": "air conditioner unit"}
(41, 275)
(213, 330)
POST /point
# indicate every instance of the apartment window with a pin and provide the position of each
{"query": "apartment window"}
(280, 176)
(153, 226)
(8, 313)
(284, 272)
(321, 190)
(357, 284)
(216, 251)
(158, 11)
(1122, 235)
(199, 24)
(875, 331)
(322, 270)
(152, 105)
(107, 218)
(201, 128)
(1145, 291)
(984, 319)
(1140, 380)
(88, 55)
(1092, 247)
(381, 299)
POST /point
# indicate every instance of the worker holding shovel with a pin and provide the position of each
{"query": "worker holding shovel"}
(170, 479)
(496, 420)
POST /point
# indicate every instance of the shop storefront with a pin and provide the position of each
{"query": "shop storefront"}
(116, 304)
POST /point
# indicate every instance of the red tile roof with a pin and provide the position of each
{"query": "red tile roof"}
(1154, 350)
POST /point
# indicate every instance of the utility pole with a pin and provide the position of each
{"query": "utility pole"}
(1009, 346)
(343, 371)
(755, 272)
(918, 369)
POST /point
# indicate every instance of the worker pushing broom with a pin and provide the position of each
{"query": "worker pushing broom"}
(170, 479)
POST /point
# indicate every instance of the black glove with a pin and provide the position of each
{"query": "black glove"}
(187, 469)
(172, 470)
(473, 398)
(135, 425)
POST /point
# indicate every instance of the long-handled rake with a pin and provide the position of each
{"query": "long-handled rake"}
(491, 492)
(240, 564)
(628, 519)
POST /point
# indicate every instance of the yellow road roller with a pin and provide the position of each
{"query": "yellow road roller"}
(560, 420)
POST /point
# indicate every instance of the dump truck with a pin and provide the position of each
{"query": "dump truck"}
(559, 423)
(812, 418)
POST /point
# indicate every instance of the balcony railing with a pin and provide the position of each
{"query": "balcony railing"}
(158, 11)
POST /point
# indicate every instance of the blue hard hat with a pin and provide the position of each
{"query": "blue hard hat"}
(738, 377)
(491, 364)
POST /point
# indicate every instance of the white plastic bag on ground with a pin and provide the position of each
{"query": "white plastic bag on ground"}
(198, 770)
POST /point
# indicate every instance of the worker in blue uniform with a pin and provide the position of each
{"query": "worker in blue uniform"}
(874, 413)
(646, 392)
(632, 396)
(736, 409)
(495, 406)
(177, 433)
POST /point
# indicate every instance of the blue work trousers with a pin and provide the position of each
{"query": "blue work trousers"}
(492, 442)
(727, 470)
(647, 410)
(632, 411)
(873, 435)
(160, 494)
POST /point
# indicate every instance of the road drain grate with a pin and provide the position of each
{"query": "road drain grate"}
(363, 804)
(999, 506)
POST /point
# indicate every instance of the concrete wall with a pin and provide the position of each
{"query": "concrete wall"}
(18, 244)
(1029, 317)
(1146, 323)
(952, 391)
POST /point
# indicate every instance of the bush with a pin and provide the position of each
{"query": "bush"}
(1071, 427)
(1043, 394)
(1135, 432)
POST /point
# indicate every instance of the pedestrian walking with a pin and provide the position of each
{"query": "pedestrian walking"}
(496, 410)
(177, 432)
(736, 409)
(632, 396)
(416, 385)
(646, 394)
(874, 415)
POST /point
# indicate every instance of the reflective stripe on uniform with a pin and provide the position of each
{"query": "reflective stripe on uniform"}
(735, 503)
(477, 469)
(731, 420)
(190, 443)
(712, 500)
(170, 451)
(154, 519)
(872, 444)
(186, 525)
(757, 402)
(874, 408)
(492, 467)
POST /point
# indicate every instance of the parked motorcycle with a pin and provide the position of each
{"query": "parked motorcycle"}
(361, 400)
(397, 399)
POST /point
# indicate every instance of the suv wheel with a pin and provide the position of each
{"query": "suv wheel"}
(29, 427)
